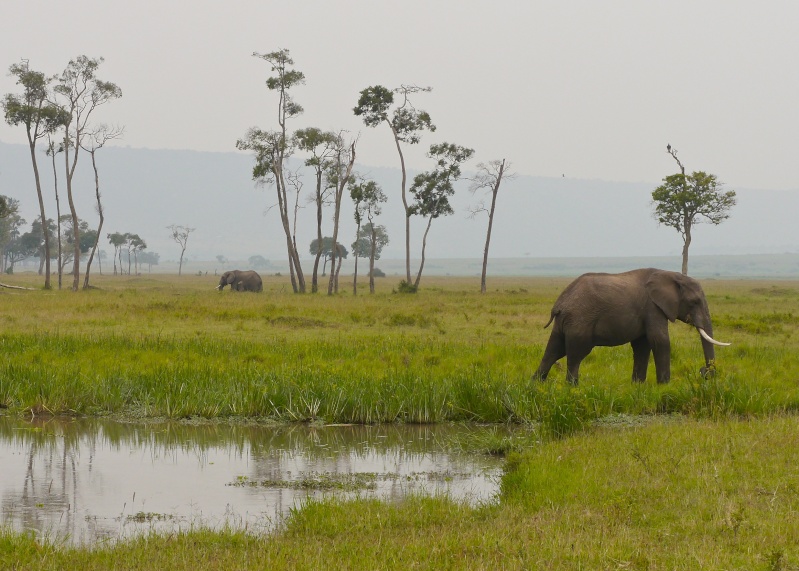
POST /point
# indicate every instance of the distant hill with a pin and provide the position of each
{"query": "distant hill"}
(537, 218)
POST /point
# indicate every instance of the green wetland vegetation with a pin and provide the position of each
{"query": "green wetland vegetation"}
(695, 474)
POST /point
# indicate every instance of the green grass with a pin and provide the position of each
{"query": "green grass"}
(695, 494)
(696, 474)
(175, 347)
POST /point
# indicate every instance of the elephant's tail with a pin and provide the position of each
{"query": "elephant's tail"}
(554, 314)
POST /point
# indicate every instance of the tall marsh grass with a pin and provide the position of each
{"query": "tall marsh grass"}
(176, 348)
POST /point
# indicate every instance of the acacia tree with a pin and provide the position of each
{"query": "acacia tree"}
(325, 248)
(272, 148)
(180, 234)
(40, 117)
(489, 177)
(406, 124)
(369, 244)
(320, 145)
(80, 93)
(367, 196)
(117, 240)
(135, 246)
(685, 200)
(97, 138)
(432, 189)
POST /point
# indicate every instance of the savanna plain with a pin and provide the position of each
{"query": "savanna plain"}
(700, 473)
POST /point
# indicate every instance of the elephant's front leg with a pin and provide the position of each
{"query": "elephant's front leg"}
(641, 352)
(661, 349)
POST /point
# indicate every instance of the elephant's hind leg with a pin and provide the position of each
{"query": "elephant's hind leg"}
(555, 350)
(577, 349)
(641, 353)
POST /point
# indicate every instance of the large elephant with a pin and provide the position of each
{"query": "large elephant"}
(633, 307)
(241, 281)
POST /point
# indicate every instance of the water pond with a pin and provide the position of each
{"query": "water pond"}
(86, 481)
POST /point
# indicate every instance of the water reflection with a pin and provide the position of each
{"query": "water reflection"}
(92, 480)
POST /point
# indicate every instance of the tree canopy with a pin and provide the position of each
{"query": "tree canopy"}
(685, 200)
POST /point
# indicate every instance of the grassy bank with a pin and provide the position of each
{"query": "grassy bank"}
(717, 489)
(174, 347)
(697, 494)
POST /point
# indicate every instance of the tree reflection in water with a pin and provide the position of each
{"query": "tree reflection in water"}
(89, 480)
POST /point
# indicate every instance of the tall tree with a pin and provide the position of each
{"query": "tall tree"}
(96, 140)
(685, 200)
(180, 234)
(431, 190)
(80, 93)
(272, 148)
(40, 118)
(367, 196)
(489, 177)
(320, 145)
(407, 124)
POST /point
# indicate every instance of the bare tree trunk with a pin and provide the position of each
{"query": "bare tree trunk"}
(372, 259)
(99, 226)
(58, 216)
(341, 184)
(355, 277)
(405, 206)
(315, 276)
(494, 193)
(180, 266)
(32, 145)
(686, 245)
(73, 211)
(424, 245)
(338, 269)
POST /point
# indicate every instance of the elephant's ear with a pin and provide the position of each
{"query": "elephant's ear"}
(664, 292)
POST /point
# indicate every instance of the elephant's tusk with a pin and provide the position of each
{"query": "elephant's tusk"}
(709, 339)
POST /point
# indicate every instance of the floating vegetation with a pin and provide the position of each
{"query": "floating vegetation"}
(148, 517)
(346, 482)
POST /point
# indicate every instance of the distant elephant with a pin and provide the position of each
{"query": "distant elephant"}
(241, 281)
(632, 307)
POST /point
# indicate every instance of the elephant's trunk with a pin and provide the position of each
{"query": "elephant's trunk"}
(708, 346)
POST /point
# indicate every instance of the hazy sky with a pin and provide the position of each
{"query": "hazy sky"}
(588, 89)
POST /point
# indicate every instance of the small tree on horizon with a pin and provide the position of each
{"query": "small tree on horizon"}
(489, 177)
(685, 200)
(367, 196)
(180, 234)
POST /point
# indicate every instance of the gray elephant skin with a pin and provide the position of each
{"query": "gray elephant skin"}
(633, 307)
(241, 281)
